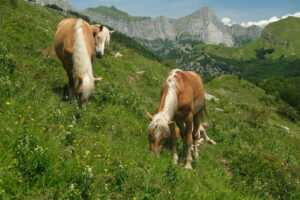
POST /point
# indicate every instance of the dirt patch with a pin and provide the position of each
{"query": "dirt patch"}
(49, 52)
(226, 166)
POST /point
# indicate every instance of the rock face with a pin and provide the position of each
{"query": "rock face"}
(162, 34)
(243, 35)
(202, 26)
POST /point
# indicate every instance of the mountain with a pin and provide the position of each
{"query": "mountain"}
(161, 34)
(52, 148)
(282, 36)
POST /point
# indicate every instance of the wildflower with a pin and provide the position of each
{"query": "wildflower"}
(68, 132)
(97, 126)
(1, 180)
(44, 128)
(8, 103)
(133, 198)
(2, 191)
(29, 107)
(32, 119)
(21, 181)
(105, 170)
(17, 123)
(87, 152)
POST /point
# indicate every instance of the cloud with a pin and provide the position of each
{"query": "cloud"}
(263, 23)
(226, 21)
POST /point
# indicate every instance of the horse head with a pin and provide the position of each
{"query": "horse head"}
(101, 37)
(157, 133)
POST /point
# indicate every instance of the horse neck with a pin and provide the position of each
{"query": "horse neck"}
(169, 101)
(82, 60)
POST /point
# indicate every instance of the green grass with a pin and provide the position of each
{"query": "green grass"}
(51, 148)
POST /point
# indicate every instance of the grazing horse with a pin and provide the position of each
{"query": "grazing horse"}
(182, 100)
(76, 45)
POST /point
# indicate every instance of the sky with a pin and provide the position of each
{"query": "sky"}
(244, 12)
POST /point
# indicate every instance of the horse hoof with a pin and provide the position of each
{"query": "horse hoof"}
(188, 166)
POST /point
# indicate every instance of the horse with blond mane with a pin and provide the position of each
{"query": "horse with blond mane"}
(77, 44)
(182, 100)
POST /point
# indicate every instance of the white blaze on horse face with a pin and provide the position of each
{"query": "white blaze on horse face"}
(157, 134)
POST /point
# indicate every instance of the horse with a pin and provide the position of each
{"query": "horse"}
(77, 44)
(182, 100)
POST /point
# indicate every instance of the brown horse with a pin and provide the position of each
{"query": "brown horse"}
(76, 45)
(182, 99)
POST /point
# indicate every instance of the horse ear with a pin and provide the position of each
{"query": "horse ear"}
(101, 27)
(170, 122)
(95, 29)
(149, 115)
(111, 32)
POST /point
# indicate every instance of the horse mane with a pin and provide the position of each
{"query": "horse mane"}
(82, 62)
(170, 104)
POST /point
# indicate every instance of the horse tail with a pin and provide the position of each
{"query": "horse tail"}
(82, 62)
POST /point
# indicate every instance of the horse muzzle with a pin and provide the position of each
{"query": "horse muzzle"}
(99, 55)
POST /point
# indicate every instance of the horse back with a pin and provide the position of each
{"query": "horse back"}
(65, 38)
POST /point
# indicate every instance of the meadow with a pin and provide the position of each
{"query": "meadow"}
(53, 148)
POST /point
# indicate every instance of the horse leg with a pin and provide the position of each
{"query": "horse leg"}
(196, 134)
(208, 139)
(188, 141)
(174, 144)
(71, 85)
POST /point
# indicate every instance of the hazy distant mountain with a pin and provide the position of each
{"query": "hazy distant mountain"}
(161, 33)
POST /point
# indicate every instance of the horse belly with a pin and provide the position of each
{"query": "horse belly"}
(197, 107)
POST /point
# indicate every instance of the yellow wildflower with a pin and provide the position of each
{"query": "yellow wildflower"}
(87, 152)
(8, 103)
(32, 119)
(133, 198)
(44, 128)
(105, 170)
(2, 191)
(21, 181)
(17, 123)
(29, 107)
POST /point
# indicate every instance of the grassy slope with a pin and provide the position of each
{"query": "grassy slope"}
(51, 148)
(284, 37)
(116, 14)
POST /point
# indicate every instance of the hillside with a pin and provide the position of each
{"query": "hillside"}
(114, 13)
(51, 148)
(282, 36)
